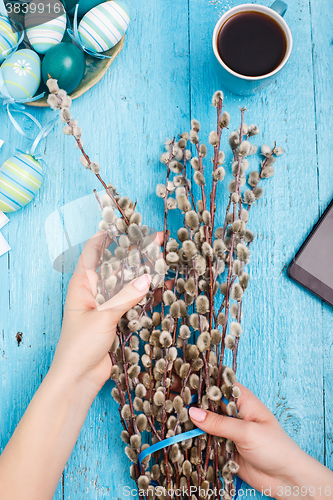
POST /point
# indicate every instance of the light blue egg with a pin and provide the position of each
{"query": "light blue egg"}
(44, 36)
(21, 73)
(104, 25)
(8, 37)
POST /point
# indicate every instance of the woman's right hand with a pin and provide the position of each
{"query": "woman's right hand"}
(269, 460)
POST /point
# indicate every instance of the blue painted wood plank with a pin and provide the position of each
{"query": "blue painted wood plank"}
(322, 36)
(143, 99)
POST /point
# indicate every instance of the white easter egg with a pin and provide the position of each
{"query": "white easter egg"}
(104, 25)
(21, 73)
(8, 37)
(44, 35)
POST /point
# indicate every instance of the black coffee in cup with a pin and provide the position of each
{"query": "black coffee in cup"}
(252, 43)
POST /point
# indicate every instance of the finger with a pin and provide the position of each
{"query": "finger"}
(220, 425)
(127, 298)
(85, 277)
(89, 261)
(90, 257)
(83, 285)
(250, 407)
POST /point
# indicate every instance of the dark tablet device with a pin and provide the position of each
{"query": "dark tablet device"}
(312, 266)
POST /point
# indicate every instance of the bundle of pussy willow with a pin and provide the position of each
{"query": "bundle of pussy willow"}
(201, 277)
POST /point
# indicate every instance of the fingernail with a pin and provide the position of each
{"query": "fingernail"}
(142, 283)
(198, 414)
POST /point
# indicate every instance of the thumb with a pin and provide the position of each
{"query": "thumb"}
(127, 298)
(220, 425)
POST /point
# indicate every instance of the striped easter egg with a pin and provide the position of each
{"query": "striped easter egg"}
(44, 35)
(21, 73)
(8, 37)
(20, 179)
(104, 25)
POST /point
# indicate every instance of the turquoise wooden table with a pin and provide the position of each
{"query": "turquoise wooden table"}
(161, 80)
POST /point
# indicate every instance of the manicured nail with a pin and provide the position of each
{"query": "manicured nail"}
(198, 414)
(142, 283)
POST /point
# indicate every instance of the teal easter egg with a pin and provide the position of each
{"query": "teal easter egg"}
(45, 29)
(85, 6)
(21, 73)
(8, 37)
(20, 179)
(66, 63)
(104, 25)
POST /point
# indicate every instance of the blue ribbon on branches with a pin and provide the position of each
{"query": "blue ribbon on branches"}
(74, 34)
(170, 441)
(165, 443)
(175, 439)
(239, 483)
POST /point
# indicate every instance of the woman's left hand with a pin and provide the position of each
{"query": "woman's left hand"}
(89, 330)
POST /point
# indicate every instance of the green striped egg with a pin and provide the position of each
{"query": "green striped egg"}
(45, 35)
(21, 73)
(104, 25)
(21, 176)
(8, 37)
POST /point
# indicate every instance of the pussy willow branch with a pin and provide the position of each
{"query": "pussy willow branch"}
(80, 146)
(239, 314)
(203, 193)
(208, 238)
(227, 297)
(216, 156)
(260, 173)
(188, 189)
(165, 241)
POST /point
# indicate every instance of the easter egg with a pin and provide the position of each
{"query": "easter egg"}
(21, 176)
(8, 37)
(104, 25)
(85, 6)
(21, 73)
(66, 63)
(45, 29)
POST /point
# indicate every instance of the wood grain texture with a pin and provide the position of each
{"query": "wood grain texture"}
(162, 79)
(322, 40)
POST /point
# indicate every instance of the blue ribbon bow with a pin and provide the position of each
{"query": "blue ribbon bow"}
(16, 106)
(74, 34)
(44, 131)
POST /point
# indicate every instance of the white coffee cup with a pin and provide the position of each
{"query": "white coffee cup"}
(242, 84)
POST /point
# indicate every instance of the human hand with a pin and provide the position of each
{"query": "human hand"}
(88, 329)
(269, 460)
